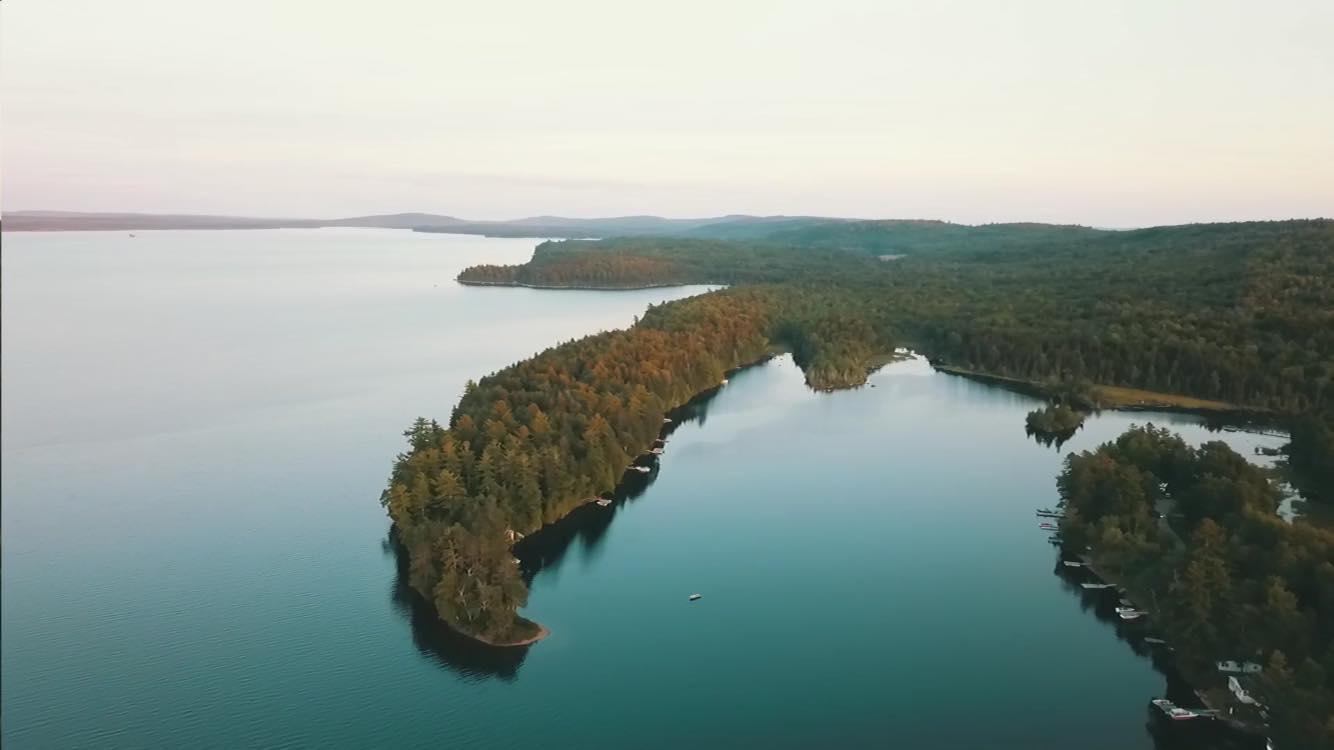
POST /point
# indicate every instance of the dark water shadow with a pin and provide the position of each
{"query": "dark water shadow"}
(1051, 439)
(469, 659)
(1166, 734)
(584, 530)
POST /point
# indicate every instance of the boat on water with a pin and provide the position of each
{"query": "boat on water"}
(1048, 525)
(696, 597)
(656, 451)
(1155, 641)
(1173, 711)
(724, 382)
(641, 469)
(604, 501)
(1130, 615)
(1072, 564)
(666, 420)
(1055, 539)
(1049, 513)
(1095, 586)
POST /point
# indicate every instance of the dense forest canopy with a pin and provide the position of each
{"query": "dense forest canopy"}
(1195, 536)
(1241, 313)
(1236, 313)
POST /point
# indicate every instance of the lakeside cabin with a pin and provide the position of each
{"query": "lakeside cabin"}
(1233, 667)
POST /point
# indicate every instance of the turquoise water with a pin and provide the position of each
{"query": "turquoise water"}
(197, 425)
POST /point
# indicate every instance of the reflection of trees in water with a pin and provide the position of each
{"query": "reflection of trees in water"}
(1050, 439)
(1196, 734)
(588, 525)
(460, 654)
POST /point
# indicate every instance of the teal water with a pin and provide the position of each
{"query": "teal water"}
(197, 425)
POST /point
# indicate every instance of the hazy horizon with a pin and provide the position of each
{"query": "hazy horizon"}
(1134, 115)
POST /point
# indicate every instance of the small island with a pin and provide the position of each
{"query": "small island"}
(1054, 423)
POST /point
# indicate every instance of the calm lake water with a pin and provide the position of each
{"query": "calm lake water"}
(197, 426)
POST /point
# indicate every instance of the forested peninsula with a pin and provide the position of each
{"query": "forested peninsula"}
(1239, 314)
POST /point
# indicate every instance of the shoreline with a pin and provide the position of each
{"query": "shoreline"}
(1118, 398)
(573, 287)
(542, 632)
(1190, 678)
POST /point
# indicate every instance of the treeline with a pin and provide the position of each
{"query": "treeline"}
(656, 261)
(530, 443)
(1222, 575)
(1241, 313)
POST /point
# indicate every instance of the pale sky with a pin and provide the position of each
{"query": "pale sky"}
(1104, 113)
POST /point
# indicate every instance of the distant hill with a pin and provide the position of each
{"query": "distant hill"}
(718, 227)
(396, 221)
(878, 237)
(20, 221)
(29, 221)
(899, 236)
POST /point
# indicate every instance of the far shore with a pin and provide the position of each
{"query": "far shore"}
(582, 287)
(1112, 397)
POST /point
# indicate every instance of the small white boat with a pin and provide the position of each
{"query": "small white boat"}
(656, 451)
(724, 382)
(696, 597)
(1072, 564)
(604, 501)
(641, 469)
(665, 420)
(1095, 586)
(1130, 615)
(1155, 641)
(1172, 710)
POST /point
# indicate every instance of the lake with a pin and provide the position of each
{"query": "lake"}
(197, 426)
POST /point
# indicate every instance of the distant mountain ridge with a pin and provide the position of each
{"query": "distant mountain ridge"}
(52, 221)
(735, 226)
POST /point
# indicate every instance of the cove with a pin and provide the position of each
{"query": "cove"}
(197, 427)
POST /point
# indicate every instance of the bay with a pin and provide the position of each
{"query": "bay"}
(197, 426)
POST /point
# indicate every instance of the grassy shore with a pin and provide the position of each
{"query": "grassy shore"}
(1116, 397)
(529, 633)
(1108, 396)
